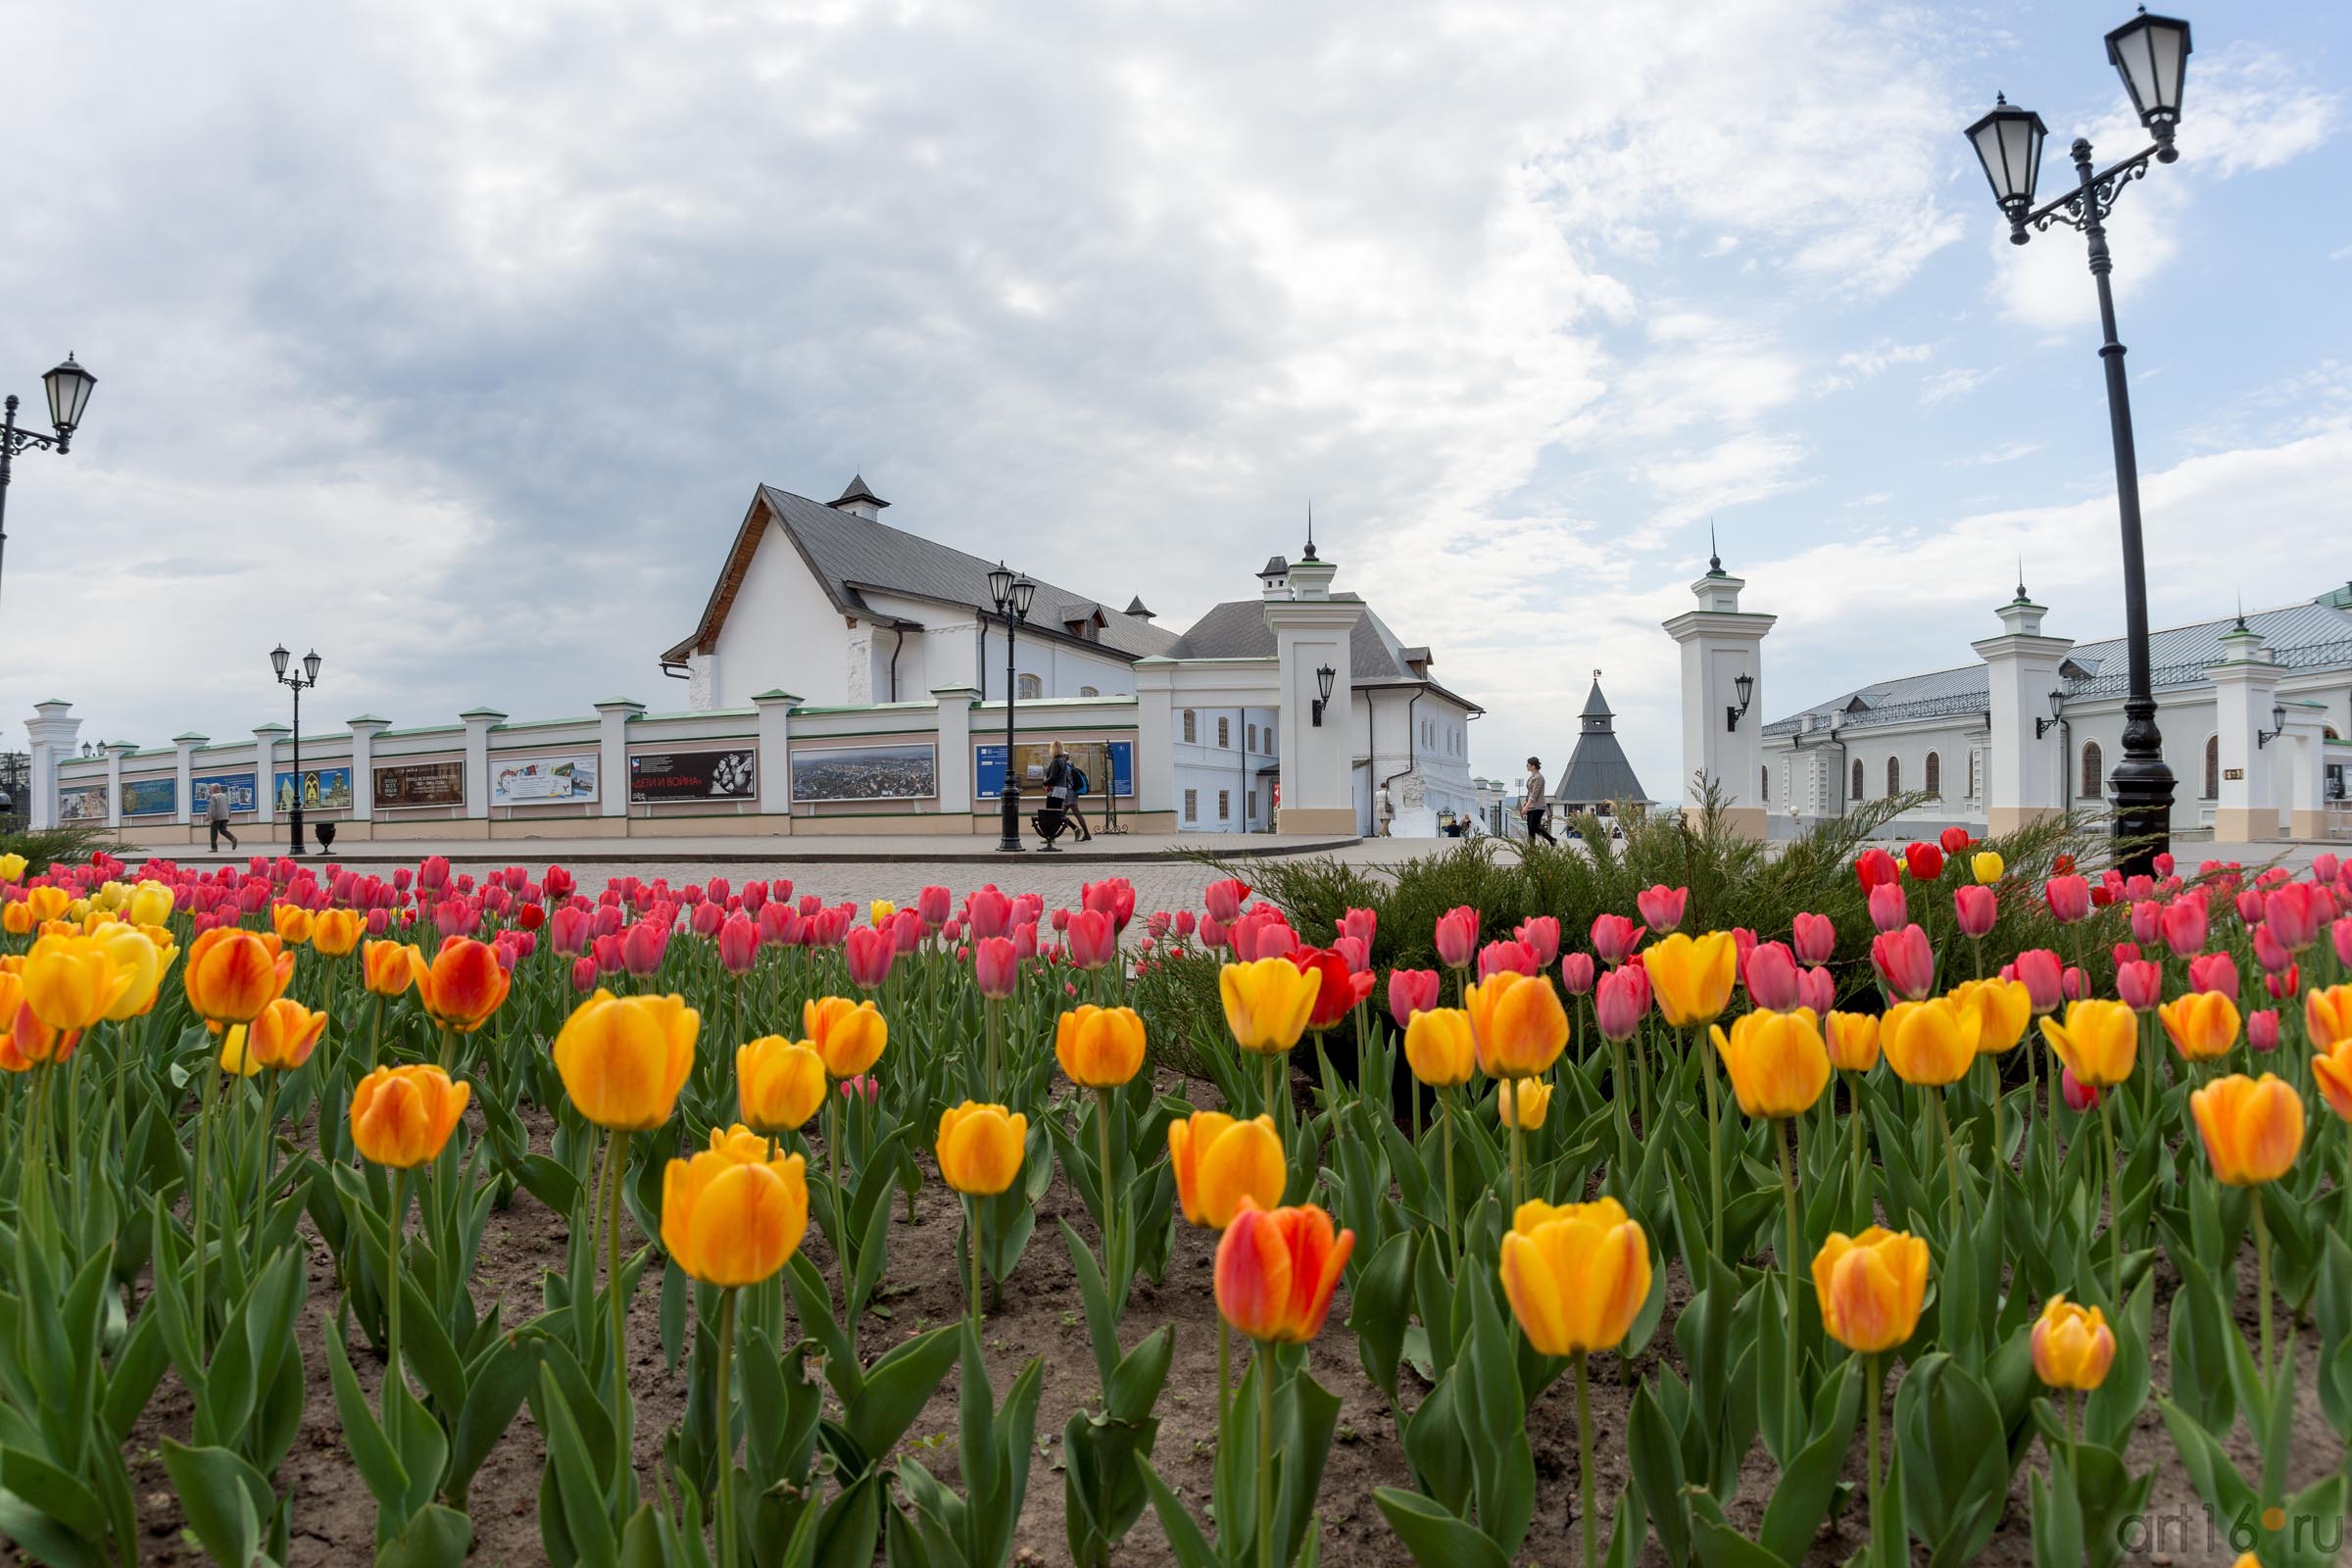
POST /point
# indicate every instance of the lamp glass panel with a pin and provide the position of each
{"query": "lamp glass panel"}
(278, 657)
(311, 662)
(1023, 592)
(999, 586)
(69, 388)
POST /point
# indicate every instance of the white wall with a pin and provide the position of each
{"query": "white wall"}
(782, 632)
(1204, 769)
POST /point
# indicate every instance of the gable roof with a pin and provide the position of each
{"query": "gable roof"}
(848, 554)
(1597, 770)
(1238, 629)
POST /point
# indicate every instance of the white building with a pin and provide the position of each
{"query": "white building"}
(827, 602)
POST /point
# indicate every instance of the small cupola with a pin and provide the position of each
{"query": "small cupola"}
(859, 501)
(1274, 579)
(1135, 608)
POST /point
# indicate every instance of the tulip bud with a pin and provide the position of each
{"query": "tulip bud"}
(1814, 939)
(1890, 907)
(2073, 1347)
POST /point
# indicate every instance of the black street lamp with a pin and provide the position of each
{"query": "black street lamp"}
(2151, 55)
(1325, 678)
(307, 675)
(68, 387)
(1745, 688)
(1012, 595)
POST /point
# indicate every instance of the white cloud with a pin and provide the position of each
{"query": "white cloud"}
(2006, 452)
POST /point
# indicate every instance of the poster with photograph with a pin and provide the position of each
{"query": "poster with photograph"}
(901, 771)
(403, 784)
(731, 775)
(1108, 766)
(239, 788)
(150, 796)
(323, 789)
(541, 780)
(82, 803)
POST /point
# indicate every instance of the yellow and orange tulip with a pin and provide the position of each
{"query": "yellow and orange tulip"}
(2202, 1025)
(1852, 1039)
(386, 966)
(728, 1220)
(980, 1147)
(1693, 976)
(780, 1084)
(623, 1060)
(1221, 1163)
(231, 975)
(401, 1117)
(849, 1035)
(2072, 1347)
(1099, 1048)
(2328, 1015)
(283, 1037)
(462, 985)
(1276, 1271)
(1517, 1024)
(335, 932)
(1777, 1061)
(1576, 1275)
(2252, 1128)
(71, 982)
(1871, 1288)
(2331, 1067)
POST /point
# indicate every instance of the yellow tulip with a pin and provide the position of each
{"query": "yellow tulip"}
(16, 918)
(386, 968)
(401, 1116)
(778, 1084)
(1693, 976)
(1267, 1003)
(2332, 1069)
(1439, 1047)
(1523, 1102)
(335, 932)
(2003, 1008)
(880, 910)
(12, 867)
(849, 1035)
(2253, 1128)
(1220, 1162)
(623, 1058)
(73, 982)
(2202, 1025)
(728, 1221)
(1871, 1287)
(2097, 1043)
(150, 902)
(1517, 1023)
(2328, 1015)
(2072, 1347)
(1987, 868)
(291, 922)
(1576, 1275)
(1853, 1041)
(980, 1147)
(48, 903)
(1777, 1061)
(109, 895)
(135, 956)
(1930, 1042)
(1099, 1048)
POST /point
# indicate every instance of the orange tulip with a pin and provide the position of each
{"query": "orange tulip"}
(2072, 1347)
(462, 986)
(1220, 1163)
(2203, 1025)
(778, 1085)
(16, 918)
(1871, 1287)
(47, 903)
(1777, 1061)
(2332, 1069)
(1099, 1048)
(2328, 1015)
(385, 967)
(624, 1059)
(2253, 1128)
(728, 1221)
(335, 932)
(1853, 1041)
(849, 1035)
(1276, 1271)
(283, 1037)
(1517, 1023)
(231, 975)
(291, 922)
(1576, 1275)
(401, 1117)
(980, 1147)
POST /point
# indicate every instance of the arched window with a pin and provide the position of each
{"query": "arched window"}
(1225, 732)
(1895, 777)
(1088, 691)
(2213, 767)
(1252, 733)
(1764, 786)
(1857, 788)
(2094, 772)
(1934, 778)
(1030, 687)
(1191, 727)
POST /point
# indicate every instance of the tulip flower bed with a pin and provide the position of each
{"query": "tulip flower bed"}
(1983, 1209)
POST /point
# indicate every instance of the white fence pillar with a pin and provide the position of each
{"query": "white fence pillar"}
(612, 717)
(2021, 762)
(776, 751)
(1722, 644)
(51, 733)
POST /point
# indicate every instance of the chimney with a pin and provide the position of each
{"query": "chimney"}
(858, 500)
(1274, 579)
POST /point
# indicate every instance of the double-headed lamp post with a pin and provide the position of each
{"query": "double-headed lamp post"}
(2151, 55)
(307, 675)
(1013, 594)
(69, 388)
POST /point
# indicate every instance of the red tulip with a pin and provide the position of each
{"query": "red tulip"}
(1925, 861)
(1815, 938)
(1661, 907)
(1621, 1000)
(1339, 989)
(1976, 908)
(2140, 986)
(870, 954)
(2213, 971)
(1516, 957)
(1411, 991)
(932, 905)
(1770, 973)
(906, 930)
(1576, 973)
(1954, 840)
(1214, 935)
(1875, 867)
(1184, 923)
(778, 924)
(2284, 983)
(433, 874)
(995, 966)
(1904, 962)
(1457, 936)
(1263, 933)
(1614, 938)
(2069, 898)
(1224, 899)
(1092, 939)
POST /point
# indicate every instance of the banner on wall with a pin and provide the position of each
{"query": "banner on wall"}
(402, 784)
(731, 775)
(902, 771)
(1108, 766)
(539, 780)
(150, 796)
(323, 789)
(239, 787)
(82, 803)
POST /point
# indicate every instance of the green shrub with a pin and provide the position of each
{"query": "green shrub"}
(72, 842)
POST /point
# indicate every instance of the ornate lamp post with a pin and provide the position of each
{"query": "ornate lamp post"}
(2151, 55)
(69, 388)
(1012, 595)
(307, 675)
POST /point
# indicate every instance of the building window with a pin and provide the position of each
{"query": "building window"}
(1030, 688)
(1224, 734)
(2213, 767)
(1224, 805)
(1088, 691)
(1191, 727)
(1972, 775)
(1764, 786)
(2094, 774)
(1857, 786)
(1934, 778)
(1252, 737)
(1895, 777)
(1192, 801)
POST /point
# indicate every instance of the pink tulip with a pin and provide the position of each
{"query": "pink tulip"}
(2262, 1030)
(2267, 953)
(1816, 990)
(1621, 1000)
(1661, 907)
(1157, 926)
(2185, 926)
(433, 874)
(2341, 933)
(1185, 924)
(1890, 907)
(1516, 957)
(995, 967)
(1361, 924)
(1092, 938)
(2069, 898)
(1904, 962)
(2293, 914)
(1540, 932)
(1061, 920)
(1978, 908)
(779, 924)
(1224, 899)
(1214, 935)
(642, 947)
(2044, 978)
(2080, 1095)
(866, 1087)
(1815, 939)
(583, 975)
(1576, 973)
(1024, 940)
(2140, 986)
(906, 930)
(1614, 938)
(610, 919)
(2213, 971)
(1457, 936)
(1263, 933)
(2147, 921)
(379, 921)
(2164, 863)
(810, 904)
(988, 913)
(567, 930)
(2075, 983)
(1770, 973)
(708, 919)
(738, 944)
(1113, 896)
(1411, 991)
(1353, 952)
(870, 954)
(2251, 906)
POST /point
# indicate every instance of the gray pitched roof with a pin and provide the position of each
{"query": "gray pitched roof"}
(1237, 630)
(1595, 705)
(858, 491)
(2301, 636)
(1597, 771)
(848, 554)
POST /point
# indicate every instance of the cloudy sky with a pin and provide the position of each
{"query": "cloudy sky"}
(451, 336)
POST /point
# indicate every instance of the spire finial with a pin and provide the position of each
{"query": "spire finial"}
(1714, 555)
(1310, 528)
(2241, 612)
(2021, 577)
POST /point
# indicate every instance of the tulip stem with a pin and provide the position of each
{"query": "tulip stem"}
(400, 1218)
(2262, 1278)
(616, 1145)
(1623, 1095)
(1453, 1239)
(1876, 1375)
(1281, 1114)
(2115, 1202)
(204, 1144)
(1583, 1462)
(1706, 1052)
(1106, 1184)
(1951, 1153)
(841, 1213)
(1790, 1378)
(726, 1432)
(1518, 1149)
(971, 1215)
(1266, 1454)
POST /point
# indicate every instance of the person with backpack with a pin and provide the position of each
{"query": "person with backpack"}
(1060, 783)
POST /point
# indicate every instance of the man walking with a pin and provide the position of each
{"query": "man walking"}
(215, 817)
(1533, 803)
